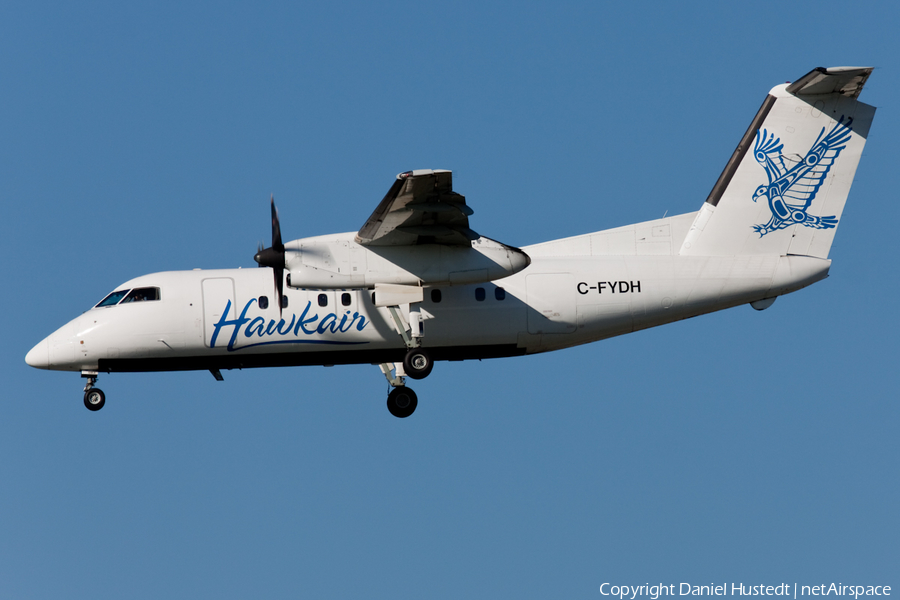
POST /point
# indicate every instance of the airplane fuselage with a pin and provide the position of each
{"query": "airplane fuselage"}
(575, 291)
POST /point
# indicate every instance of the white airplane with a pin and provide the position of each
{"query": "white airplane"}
(416, 284)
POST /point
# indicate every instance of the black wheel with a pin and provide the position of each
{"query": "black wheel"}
(94, 399)
(402, 402)
(417, 363)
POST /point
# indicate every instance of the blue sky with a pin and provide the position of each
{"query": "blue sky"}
(736, 447)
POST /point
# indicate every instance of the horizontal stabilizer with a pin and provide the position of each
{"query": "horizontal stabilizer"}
(846, 81)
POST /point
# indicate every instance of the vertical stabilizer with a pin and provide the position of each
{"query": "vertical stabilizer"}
(784, 188)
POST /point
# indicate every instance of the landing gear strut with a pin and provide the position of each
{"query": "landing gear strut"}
(94, 398)
(417, 363)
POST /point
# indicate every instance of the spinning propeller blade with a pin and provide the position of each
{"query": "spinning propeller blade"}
(276, 228)
(274, 257)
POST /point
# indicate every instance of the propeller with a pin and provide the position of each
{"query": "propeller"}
(274, 257)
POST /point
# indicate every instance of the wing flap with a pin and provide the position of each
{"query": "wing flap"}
(419, 208)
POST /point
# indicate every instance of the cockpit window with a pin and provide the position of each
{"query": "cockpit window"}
(135, 295)
(113, 298)
(141, 295)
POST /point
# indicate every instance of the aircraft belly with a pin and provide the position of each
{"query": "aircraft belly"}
(308, 357)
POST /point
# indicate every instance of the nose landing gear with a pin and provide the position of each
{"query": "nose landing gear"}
(94, 398)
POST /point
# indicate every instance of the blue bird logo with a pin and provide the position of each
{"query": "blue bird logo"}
(792, 189)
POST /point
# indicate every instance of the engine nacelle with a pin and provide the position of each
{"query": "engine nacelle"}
(338, 262)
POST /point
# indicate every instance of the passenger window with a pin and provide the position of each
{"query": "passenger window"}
(323, 300)
(142, 295)
(435, 295)
(113, 298)
(284, 302)
(479, 294)
(499, 293)
(345, 299)
(264, 302)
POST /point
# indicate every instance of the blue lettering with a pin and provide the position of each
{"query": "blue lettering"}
(222, 322)
(270, 330)
(237, 323)
(301, 322)
(255, 326)
(352, 321)
(289, 327)
(328, 323)
(299, 327)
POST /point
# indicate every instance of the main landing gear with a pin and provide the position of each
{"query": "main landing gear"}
(94, 398)
(417, 364)
(402, 402)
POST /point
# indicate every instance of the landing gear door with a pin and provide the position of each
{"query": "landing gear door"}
(551, 303)
(218, 296)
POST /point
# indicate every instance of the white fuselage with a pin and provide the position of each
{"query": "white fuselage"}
(575, 290)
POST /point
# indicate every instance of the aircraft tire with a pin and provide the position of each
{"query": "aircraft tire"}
(94, 399)
(417, 363)
(402, 402)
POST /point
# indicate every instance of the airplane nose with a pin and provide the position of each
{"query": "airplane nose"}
(39, 356)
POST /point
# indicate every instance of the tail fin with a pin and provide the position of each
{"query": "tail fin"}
(786, 196)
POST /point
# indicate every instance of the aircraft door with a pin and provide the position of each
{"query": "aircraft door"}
(551, 303)
(217, 293)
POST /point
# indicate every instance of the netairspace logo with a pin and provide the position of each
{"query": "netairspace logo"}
(654, 592)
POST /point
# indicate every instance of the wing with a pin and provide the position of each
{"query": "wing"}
(420, 208)
(767, 152)
(817, 163)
